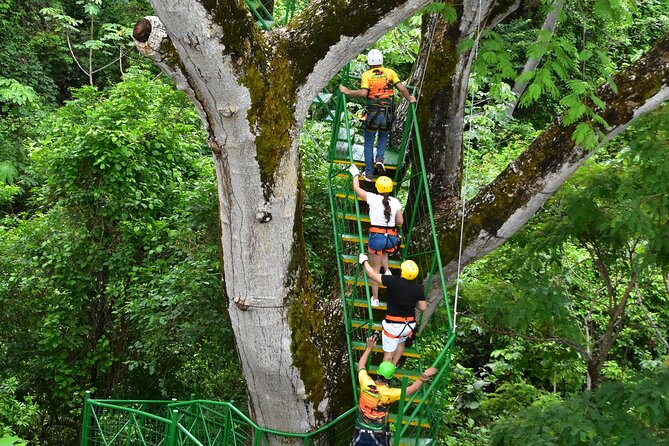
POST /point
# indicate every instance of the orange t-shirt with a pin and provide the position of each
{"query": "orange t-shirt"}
(380, 83)
(374, 401)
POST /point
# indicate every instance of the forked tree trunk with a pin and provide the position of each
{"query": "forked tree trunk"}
(252, 90)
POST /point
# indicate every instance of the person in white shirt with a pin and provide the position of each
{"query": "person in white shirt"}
(385, 214)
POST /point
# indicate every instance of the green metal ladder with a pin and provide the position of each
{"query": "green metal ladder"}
(264, 18)
(416, 419)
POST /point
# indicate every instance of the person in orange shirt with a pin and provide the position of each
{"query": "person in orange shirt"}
(371, 424)
(377, 85)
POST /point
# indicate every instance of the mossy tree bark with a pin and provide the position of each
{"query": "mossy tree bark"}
(252, 90)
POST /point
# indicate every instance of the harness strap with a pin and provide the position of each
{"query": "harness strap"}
(406, 319)
(392, 336)
(390, 230)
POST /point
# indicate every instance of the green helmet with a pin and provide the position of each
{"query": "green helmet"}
(386, 369)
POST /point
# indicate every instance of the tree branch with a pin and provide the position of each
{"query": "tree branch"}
(562, 341)
(531, 64)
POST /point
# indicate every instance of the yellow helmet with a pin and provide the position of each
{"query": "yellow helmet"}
(409, 270)
(384, 185)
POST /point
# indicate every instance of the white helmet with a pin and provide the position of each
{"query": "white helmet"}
(375, 57)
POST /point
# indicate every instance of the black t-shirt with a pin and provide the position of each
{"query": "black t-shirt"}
(403, 295)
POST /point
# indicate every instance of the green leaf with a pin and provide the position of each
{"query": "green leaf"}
(91, 9)
(12, 441)
(585, 136)
(598, 102)
(8, 172)
(575, 113)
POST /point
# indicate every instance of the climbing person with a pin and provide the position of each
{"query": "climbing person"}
(377, 86)
(371, 424)
(404, 297)
(385, 215)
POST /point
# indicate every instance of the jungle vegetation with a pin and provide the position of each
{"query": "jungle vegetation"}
(111, 267)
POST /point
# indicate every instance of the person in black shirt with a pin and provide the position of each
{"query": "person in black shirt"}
(404, 296)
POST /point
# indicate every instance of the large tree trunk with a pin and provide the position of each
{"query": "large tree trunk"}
(252, 90)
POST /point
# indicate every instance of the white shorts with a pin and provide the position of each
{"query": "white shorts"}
(400, 329)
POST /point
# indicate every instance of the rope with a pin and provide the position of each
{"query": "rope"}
(463, 189)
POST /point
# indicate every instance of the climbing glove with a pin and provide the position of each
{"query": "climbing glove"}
(362, 258)
(353, 169)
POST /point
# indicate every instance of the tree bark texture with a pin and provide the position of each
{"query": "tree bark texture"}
(252, 90)
(502, 207)
(442, 75)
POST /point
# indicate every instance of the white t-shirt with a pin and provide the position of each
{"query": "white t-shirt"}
(376, 209)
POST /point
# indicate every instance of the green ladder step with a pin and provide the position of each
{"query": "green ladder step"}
(408, 352)
(363, 303)
(348, 216)
(348, 258)
(353, 238)
(350, 280)
(424, 424)
(346, 162)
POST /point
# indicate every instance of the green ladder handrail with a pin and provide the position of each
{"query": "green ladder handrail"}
(262, 15)
(173, 422)
(415, 411)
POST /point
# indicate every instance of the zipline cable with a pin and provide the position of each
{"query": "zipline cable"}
(465, 173)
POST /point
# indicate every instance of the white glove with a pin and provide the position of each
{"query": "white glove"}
(353, 169)
(362, 258)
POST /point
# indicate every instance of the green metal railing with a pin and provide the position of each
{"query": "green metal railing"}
(264, 18)
(193, 422)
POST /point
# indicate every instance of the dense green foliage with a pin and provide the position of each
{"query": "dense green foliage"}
(115, 273)
(109, 250)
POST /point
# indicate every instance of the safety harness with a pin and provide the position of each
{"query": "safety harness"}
(379, 100)
(387, 230)
(408, 320)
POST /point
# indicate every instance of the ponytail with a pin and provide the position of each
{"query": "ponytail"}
(386, 206)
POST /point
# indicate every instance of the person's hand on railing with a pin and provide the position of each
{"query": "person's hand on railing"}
(428, 374)
(353, 170)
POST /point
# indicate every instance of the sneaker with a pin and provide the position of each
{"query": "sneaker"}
(367, 177)
(375, 302)
(380, 168)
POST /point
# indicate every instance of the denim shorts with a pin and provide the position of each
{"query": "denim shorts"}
(381, 242)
